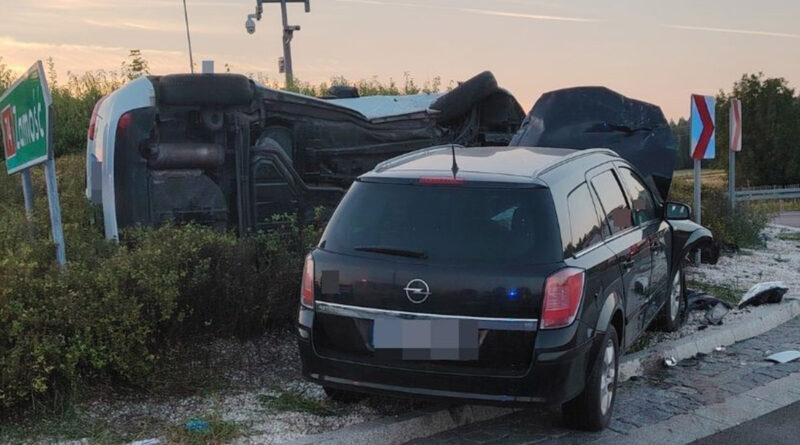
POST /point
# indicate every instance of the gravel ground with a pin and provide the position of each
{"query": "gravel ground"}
(230, 380)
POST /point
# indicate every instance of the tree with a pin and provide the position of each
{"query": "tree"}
(136, 66)
(6, 76)
(681, 131)
(771, 131)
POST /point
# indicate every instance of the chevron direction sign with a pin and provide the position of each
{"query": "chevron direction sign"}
(736, 125)
(703, 140)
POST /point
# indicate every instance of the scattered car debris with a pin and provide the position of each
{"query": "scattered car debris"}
(698, 300)
(784, 357)
(715, 308)
(715, 314)
(766, 292)
(670, 362)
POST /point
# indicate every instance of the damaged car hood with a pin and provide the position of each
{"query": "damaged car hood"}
(597, 117)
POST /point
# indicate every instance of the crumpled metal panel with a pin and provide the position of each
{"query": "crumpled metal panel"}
(597, 117)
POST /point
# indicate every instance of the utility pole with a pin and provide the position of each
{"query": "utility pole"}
(188, 37)
(288, 32)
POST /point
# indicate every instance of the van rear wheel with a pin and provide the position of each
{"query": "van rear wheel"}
(592, 409)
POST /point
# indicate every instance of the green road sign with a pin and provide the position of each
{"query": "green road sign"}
(25, 120)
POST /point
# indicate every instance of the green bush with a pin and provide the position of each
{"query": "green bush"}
(117, 308)
(737, 229)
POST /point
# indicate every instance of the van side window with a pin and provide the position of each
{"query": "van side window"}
(644, 209)
(584, 225)
(615, 207)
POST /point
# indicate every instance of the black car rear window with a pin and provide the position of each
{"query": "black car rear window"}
(454, 224)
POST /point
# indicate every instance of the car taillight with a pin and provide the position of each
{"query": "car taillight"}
(562, 297)
(307, 288)
(441, 181)
(123, 124)
(93, 119)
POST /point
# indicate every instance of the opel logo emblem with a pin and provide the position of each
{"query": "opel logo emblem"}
(417, 291)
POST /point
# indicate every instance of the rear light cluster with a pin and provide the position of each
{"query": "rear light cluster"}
(307, 288)
(93, 119)
(563, 292)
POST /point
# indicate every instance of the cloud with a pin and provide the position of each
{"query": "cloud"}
(735, 31)
(520, 15)
(78, 58)
(527, 16)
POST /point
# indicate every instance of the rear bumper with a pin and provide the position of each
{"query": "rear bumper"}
(558, 372)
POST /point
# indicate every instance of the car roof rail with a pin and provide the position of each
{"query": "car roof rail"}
(576, 155)
(410, 156)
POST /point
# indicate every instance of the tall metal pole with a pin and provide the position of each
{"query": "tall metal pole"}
(732, 179)
(188, 37)
(27, 192)
(288, 33)
(52, 199)
(697, 186)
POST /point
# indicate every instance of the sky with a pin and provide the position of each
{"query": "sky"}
(655, 50)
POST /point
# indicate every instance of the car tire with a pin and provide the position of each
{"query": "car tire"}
(205, 89)
(671, 317)
(343, 396)
(462, 99)
(593, 408)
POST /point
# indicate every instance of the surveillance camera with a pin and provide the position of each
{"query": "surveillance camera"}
(250, 25)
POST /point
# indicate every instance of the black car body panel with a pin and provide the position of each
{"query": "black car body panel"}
(379, 243)
(592, 117)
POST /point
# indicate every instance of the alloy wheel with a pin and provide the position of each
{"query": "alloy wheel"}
(608, 377)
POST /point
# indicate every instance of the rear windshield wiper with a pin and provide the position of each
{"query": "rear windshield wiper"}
(392, 251)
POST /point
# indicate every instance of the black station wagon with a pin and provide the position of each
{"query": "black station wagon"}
(493, 275)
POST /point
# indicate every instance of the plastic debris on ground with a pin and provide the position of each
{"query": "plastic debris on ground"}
(761, 293)
(784, 357)
(715, 308)
(715, 314)
(196, 425)
(670, 362)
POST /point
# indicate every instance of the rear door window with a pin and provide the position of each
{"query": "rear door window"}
(644, 209)
(615, 207)
(585, 226)
(452, 224)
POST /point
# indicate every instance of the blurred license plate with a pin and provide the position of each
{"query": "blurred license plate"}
(425, 339)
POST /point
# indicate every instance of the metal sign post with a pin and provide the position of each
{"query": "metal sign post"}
(26, 116)
(734, 146)
(703, 145)
(288, 32)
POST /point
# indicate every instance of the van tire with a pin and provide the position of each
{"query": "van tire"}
(585, 412)
(464, 97)
(205, 89)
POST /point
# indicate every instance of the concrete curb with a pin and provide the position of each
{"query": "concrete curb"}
(418, 424)
(706, 341)
(414, 425)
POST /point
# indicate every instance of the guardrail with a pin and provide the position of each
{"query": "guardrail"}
(758, 194)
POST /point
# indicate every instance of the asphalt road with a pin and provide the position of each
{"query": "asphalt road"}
(645, 403)
(776, 428)
(791, 219)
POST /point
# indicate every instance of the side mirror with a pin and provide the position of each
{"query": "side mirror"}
(677, 210)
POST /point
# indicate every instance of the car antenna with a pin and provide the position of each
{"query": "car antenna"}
(455, 165)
